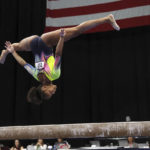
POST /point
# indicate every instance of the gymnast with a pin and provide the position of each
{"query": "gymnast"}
(47, 64)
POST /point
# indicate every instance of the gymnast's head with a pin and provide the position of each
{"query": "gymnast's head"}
(37, 95)
(47, 88)
(43, 92)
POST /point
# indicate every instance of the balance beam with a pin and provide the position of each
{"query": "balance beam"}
(87, 130)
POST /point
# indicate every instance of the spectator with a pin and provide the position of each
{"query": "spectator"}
(60, 144)
(40, 145)
(17, 145)
(131, 143)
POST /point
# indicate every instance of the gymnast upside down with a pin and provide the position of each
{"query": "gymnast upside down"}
(47, 64)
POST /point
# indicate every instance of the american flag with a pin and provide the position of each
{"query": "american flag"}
(69, 13)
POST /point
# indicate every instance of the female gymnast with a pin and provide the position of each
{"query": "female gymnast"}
(47, 67)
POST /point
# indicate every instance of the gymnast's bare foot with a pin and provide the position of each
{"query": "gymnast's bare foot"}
(113, 22)
(3, 56)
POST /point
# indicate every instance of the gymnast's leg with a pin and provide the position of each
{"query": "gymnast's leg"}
(51, 38)
(23, 45)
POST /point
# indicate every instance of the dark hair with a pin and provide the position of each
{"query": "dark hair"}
(34, 96)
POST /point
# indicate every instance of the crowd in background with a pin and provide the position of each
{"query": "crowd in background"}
(63, 144)
(40, 145)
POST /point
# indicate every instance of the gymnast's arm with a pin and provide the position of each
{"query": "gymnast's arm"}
(59, 49)
(30, 69)
(60, 44)
(19, 59)
(11, 49)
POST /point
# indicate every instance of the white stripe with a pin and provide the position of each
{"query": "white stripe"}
(60, 4)
(119, 14)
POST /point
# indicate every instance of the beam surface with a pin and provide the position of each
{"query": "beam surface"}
(114, 129)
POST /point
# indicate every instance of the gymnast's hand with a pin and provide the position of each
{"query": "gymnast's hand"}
(62, 33)
(9, 47)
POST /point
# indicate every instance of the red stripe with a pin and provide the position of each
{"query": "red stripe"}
(125, 23)
(96, 8)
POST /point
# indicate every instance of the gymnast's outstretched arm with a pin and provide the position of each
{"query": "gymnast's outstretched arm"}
(30, 69)
(10, 48)
(59, 49)
(19, 59)
(60, 44)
